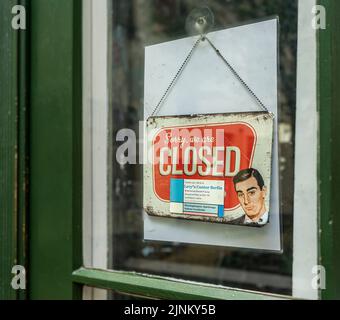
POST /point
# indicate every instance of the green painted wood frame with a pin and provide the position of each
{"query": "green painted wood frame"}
(55, 149)
(55, 259)
(329, 142)
(13, 149)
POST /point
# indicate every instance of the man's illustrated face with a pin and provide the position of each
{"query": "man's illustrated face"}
(251, 197)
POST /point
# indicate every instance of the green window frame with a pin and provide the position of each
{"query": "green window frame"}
(13, 149)
(44, 66)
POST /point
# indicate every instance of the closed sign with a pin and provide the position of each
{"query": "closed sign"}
(209, 167)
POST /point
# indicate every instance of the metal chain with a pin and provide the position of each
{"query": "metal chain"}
(179, 72)
(252, 93)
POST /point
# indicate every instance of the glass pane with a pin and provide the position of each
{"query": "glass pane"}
(115, 37)
(134, 25)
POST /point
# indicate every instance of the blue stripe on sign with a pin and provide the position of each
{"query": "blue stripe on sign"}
(176, 190)
(221, 211)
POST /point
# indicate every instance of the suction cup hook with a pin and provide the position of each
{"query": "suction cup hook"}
(199, 21)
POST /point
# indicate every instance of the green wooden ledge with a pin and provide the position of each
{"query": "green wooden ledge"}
(164, 288)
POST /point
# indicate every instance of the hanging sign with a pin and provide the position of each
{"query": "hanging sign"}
(208, 167)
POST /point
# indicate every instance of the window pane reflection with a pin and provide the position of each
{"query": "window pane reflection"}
(134, 25)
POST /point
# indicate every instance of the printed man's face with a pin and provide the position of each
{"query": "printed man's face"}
(251, 197)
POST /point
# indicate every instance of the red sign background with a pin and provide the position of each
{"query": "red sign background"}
(240, 135)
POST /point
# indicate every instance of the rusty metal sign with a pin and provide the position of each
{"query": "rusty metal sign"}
(212, 167)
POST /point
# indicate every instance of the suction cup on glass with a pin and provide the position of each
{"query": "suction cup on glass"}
(199, 21)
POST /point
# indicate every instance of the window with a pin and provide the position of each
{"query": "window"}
(113, 96)
(85, 210)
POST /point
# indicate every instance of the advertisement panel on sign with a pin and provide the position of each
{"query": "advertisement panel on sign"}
(202, 167)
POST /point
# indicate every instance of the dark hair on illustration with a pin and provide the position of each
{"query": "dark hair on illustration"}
(248, 173)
